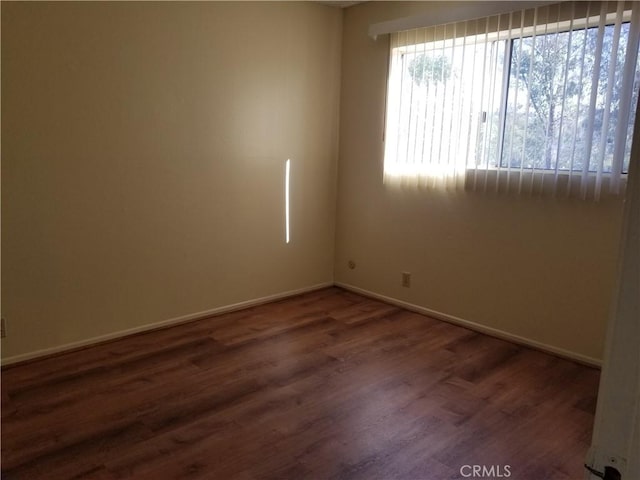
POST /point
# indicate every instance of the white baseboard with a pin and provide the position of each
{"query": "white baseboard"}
(164, 323)
(593, 362)
(494, 332)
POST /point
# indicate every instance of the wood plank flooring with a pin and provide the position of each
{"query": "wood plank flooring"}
(324, 385)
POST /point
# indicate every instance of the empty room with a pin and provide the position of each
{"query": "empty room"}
(320, 240)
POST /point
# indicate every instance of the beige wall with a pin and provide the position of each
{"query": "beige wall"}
(143, 149)
(143, 157)
(540, 269)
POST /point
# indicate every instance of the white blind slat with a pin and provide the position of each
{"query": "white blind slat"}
(626, 95)
(578, 103)
(610, 79)
(595, 79)
(564, 95)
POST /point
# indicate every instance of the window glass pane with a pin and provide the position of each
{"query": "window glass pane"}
(549, 95)
(445, 105)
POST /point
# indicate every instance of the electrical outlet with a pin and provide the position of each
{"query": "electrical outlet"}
(3, 328)
(406, 279)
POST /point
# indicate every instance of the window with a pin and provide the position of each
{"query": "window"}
(516, 101)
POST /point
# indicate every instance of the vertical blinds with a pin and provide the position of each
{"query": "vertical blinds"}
(533, 101)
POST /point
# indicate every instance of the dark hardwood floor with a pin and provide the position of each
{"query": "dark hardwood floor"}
(324, 385)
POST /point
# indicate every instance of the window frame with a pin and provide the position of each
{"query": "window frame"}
(509, 37)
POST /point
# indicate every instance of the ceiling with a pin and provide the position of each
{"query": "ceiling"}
(339, 3)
